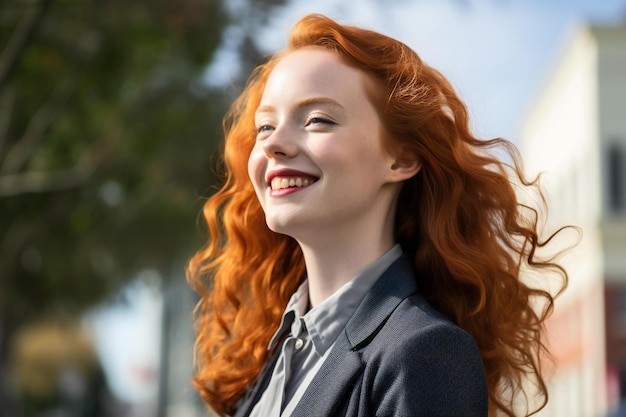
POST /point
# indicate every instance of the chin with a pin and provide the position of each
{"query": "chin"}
(284, 226)
(278, 226)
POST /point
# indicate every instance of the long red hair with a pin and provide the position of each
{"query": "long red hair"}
(459, 220)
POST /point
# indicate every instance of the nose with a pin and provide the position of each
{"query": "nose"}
(280, 144)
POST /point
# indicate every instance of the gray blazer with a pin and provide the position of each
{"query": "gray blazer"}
(397, 356)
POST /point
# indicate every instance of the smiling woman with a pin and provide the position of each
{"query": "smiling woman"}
(366, 249)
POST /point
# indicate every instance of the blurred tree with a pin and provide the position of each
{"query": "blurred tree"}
(107, 127)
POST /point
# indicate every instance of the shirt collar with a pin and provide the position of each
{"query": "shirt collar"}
(296, 307)
(325, 321)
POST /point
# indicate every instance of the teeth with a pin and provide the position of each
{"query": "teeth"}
(280, 183)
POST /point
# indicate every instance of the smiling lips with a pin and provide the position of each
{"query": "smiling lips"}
(285, 181)
(279, 183)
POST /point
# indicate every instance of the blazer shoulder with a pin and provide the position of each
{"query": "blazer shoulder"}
(417, 326)
(423, 364)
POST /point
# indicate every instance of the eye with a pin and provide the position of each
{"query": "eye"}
(318, 120)
(264, 130)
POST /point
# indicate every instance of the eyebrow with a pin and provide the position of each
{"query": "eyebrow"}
(307, 102)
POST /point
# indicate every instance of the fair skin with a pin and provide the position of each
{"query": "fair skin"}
(320, 170)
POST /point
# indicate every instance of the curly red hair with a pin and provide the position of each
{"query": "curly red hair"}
(459, 220)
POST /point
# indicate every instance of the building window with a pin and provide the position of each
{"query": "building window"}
(617, 178)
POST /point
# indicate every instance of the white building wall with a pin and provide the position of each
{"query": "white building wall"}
(561, 140)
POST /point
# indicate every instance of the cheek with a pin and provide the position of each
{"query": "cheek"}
(256, 172)
(365, 166)
(360, 150)
(255, 165)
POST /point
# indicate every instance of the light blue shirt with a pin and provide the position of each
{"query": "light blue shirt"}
(312, 336)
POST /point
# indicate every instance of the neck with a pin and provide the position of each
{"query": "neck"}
(335, 259)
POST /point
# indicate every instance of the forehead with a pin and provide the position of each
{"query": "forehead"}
(315, 71)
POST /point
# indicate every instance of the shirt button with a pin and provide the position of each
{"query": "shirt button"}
(299, 344)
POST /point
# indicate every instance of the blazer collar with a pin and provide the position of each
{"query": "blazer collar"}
(343, 365)
(394, 285)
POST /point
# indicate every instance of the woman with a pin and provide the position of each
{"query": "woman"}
(365, 249)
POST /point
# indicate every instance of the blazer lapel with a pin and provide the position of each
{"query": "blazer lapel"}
(254, 395)
(335, 378)
(332, 381)
(395, 284)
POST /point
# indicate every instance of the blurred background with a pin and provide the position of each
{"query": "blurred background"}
(110, 117)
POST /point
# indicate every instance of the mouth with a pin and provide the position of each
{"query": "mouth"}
(287, 178)
(281, 183)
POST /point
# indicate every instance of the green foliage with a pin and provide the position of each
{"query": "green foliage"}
(108, 134)
(106, 130)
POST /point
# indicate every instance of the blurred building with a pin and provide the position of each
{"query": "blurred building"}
(177, 397)
(576, 134)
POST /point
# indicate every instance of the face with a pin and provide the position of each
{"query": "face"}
(318, 164)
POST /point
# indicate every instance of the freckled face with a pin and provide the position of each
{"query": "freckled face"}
(318, 164)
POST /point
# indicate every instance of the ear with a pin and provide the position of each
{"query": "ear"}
(404, 168)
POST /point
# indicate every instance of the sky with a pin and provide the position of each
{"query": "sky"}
(127, 335)
(497, 53)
